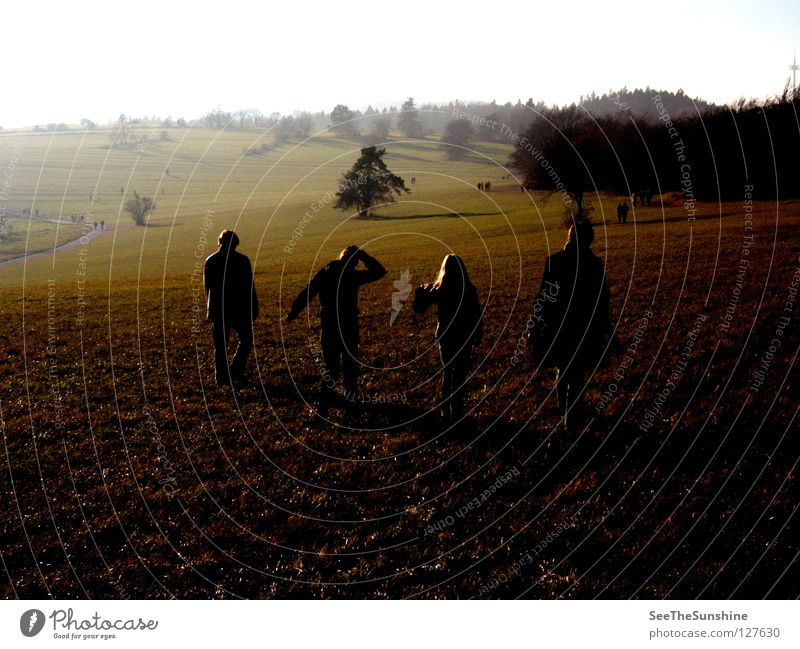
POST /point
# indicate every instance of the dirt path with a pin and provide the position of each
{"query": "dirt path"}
(72, 243)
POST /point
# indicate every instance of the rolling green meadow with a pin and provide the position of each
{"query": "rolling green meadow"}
(126, 473)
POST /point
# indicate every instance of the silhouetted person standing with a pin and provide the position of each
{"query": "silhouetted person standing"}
(624, 211)
(232, 304)
(571, 315)
(337, 286)
(460, 328)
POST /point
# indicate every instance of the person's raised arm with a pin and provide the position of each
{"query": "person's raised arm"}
(374, 269)
(304, 297)
(424, 296)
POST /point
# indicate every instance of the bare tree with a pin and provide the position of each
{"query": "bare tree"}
(561, 152)
(119, 135)
(217, 118)
(140, 208)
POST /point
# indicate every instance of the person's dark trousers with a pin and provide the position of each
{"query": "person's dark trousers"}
(340, 351)
(222, 331)
(454, 379)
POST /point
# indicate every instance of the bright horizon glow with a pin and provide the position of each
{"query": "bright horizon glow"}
(66, 61)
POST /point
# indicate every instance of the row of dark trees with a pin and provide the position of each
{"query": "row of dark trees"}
(707, 156)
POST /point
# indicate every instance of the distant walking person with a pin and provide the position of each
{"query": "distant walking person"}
(619, 213)
(232, 304)
(460, 328)
(571, 329)
(624, 211)
(337, 286)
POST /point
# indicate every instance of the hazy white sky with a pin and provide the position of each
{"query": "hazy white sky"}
(62, 61)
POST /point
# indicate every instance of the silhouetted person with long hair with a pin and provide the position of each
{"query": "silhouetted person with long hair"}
(337, 286)
(460, 328)
(571, 328)
(232, 304)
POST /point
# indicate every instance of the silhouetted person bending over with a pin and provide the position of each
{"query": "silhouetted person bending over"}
(571, 329)
(232, 304)
(337, 286)
(460, 328)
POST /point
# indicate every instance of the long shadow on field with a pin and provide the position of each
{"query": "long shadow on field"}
(430, 216)
(331, 142)
(404, 156)
(366, 418)
(676, 219)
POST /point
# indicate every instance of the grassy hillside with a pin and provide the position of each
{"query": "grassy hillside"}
(129, 474)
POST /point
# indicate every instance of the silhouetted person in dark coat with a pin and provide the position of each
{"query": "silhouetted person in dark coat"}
(571, 328)
(619, 213)
(623, 208)
(337, 286)
(232, 304)
(460, 328)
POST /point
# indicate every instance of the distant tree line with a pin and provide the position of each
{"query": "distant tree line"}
(707, 155)
(410, 120)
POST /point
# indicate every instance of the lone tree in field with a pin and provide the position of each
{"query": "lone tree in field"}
(139, 207)
(408, 119)
(562, 152)
(369, 182)
(455, 138)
